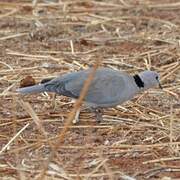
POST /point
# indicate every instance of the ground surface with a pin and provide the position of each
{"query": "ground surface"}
(140, 139)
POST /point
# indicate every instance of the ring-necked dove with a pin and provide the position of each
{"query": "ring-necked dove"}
(108, 88)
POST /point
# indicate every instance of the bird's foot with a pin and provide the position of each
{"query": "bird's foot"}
(76, 118)
(98, 114)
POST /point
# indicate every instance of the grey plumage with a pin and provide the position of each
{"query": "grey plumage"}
(108, 88)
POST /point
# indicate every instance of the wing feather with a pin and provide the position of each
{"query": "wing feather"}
(105, 88)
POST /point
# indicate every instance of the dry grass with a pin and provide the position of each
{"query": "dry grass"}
(138, 140)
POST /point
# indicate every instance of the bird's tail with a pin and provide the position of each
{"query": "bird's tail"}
(32, 89)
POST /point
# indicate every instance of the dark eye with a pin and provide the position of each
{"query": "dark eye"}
(156, 77)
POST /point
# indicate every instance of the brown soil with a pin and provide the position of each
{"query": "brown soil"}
(140, 140)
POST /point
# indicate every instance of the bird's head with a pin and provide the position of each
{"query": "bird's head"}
(150, 79)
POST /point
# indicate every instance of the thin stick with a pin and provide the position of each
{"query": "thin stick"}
(13, 138)
(70, 118)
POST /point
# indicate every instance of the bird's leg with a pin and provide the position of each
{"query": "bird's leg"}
(98, 114)
(76, 118)
(54, 102)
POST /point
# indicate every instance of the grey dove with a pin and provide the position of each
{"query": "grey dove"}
(108, 88)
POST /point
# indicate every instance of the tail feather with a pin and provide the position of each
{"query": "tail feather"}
(32, 89)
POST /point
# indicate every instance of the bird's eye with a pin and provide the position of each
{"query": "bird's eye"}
(156, 77)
